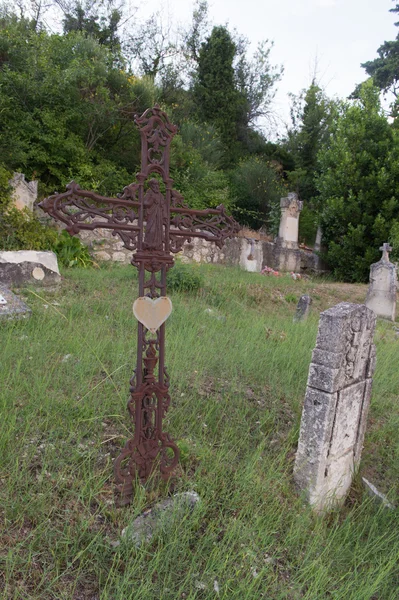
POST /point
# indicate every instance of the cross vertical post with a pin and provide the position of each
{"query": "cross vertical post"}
(152, 220)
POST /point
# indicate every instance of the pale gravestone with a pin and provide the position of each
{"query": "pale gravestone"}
(287, 254)
(381, 295)
(336, 404)
(11, 306)
(302, 309)
(24, 192)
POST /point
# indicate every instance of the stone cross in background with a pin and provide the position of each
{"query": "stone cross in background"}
(381, 295)
(151, 219)
(287, 255)
(336, 404)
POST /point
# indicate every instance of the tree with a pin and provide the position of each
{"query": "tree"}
(88, 20)
(358, 185)
(65, 110)
(215, 94)
(151, 46)
(385, 69)
(311, 117)
(256, 80)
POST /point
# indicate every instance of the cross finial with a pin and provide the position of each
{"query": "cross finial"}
(385, 249)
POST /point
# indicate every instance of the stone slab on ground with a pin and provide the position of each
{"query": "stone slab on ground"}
(160, 516)
(26, 267)
(336, 404)
(11, 306)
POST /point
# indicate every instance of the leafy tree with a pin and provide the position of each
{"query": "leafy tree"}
(359, 186)
(64, 108)
(256, 80)
(311, 116)
(87, 19)
(151, 46)
(385, 69)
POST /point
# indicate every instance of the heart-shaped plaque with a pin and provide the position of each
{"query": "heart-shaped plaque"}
(152, 313)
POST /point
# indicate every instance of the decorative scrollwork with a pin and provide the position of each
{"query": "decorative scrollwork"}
(80, 209)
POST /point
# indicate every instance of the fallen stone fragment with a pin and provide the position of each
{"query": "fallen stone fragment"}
(158, 517)
(11, 306)
(372, 491)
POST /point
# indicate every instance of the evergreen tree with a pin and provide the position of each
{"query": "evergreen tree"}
(215, 94)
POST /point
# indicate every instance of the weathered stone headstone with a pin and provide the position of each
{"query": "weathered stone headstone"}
(24, 192)
(381, 295)
(11, 306)
(287, 254)
(336, 404)
(25, 267)
(303, 308)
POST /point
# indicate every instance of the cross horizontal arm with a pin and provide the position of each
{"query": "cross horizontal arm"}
(80, 209)
(212, 224)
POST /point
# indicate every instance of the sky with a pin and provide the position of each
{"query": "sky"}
(328, 37)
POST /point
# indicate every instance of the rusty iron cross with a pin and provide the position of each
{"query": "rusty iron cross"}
(154, 223)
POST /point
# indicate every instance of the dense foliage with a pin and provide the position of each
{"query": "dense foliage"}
(359, 186)
(67, 107)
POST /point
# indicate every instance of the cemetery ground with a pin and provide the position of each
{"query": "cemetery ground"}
(238, 368)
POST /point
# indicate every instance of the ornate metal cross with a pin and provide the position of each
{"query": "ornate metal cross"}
(154, 223)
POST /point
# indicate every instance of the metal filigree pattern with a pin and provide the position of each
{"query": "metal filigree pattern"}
(153, 221)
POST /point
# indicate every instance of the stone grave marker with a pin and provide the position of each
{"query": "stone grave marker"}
(287, 254)
(381, 295)
(302, 308)
(11, 306)
(336, 404)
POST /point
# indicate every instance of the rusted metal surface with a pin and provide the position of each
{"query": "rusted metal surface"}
(152, 220)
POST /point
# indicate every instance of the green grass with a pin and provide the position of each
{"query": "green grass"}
(238, 377)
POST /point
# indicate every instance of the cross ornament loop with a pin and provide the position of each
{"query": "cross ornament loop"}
(153, 221)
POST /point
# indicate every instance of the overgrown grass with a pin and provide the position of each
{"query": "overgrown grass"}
(238, 376)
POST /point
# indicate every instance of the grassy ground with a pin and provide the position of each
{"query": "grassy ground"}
(237, 387)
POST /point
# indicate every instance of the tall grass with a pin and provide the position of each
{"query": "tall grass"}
(238, 376)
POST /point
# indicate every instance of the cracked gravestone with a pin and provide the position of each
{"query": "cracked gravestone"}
(336, 405)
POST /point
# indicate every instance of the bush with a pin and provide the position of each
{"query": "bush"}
(184, 278)
(71, 252)
(256, 190)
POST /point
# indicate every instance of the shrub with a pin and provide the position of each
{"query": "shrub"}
(71, 252)
(256, 190)
(184, 278)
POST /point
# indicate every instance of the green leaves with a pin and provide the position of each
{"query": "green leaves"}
(358, 186)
